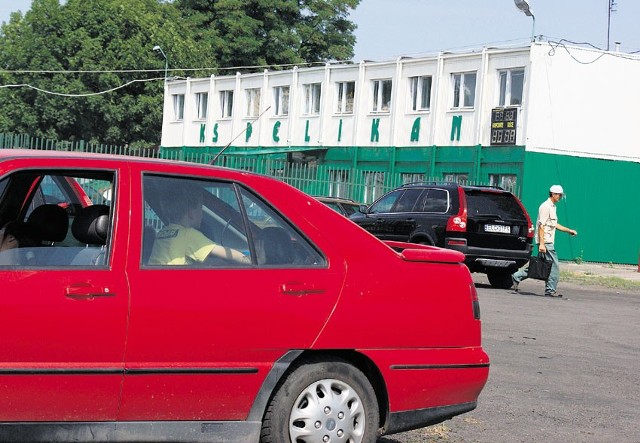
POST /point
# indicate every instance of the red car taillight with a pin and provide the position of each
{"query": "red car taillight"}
(475, 303)
(458, 222)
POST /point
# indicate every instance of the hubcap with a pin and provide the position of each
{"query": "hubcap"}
(327, 411)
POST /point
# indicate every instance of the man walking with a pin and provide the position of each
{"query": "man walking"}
(546, 226)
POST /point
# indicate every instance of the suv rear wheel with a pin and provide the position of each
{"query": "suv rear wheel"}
(500, 279)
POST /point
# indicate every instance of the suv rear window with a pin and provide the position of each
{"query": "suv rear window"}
(498, 204)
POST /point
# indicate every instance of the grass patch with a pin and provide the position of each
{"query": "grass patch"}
(588, 278)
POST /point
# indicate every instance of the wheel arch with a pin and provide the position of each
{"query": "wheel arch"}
(294, 359)
(422, 238)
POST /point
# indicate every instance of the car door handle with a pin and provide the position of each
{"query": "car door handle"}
(299, 288)
(87, 291)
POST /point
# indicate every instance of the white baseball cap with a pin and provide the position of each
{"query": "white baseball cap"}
(556, 189)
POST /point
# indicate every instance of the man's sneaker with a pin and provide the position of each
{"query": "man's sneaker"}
(514, 286)
(552, 294)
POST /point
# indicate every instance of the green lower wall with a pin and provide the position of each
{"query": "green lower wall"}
(601, 203)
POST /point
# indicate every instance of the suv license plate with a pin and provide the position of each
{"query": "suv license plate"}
(498, 228)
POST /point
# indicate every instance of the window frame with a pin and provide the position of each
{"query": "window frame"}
(378, 93)
(417, 92)
(345, 101)
(226, 104)
(281, 100)
(202, 104)
(461, 83)
(178, 107)
(312, 96)
(253, 97)
(506, 87)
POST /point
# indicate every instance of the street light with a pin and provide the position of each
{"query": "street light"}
(524, 7)
(157, 48)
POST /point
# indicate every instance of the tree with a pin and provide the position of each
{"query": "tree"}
(273, 32)
(103, 49)
(91, 46)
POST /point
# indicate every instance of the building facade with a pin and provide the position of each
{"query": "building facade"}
(522, 118)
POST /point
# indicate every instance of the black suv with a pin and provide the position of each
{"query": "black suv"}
(488, 224)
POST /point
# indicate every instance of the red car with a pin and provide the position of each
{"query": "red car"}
(287, 323)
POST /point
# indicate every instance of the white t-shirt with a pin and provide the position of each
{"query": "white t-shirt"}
(548, 219)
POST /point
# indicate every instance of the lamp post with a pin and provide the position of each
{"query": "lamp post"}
(157, 48)
(524, 7)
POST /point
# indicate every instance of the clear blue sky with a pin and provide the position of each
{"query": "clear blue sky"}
(391, 28)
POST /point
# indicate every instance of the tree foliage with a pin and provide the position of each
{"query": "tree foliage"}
(91, 46)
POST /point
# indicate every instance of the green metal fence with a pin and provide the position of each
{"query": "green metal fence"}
(361, 181)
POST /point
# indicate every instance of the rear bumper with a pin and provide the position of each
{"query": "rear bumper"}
(487, 259)
(427, 386)
(408, 420)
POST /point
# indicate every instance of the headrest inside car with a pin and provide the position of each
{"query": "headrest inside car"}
(91, 225)
(49, 222)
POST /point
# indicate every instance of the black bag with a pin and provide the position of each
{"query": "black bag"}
(539, 267)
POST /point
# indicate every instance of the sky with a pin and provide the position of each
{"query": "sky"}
(388, 29)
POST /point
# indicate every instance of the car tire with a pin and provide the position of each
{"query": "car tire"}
(320, 400)
(500, 279)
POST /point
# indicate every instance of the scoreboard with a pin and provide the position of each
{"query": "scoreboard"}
(504, 122)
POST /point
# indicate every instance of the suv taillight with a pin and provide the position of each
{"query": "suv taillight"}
(530, 229)
(458, 222)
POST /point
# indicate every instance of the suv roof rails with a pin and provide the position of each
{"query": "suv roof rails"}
(432, 183)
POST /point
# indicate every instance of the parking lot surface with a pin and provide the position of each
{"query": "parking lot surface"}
(562, 370)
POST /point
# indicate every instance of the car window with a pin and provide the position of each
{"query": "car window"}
(501, 205)
(192, 222)
(386, 202)
(61, 217)
(277, 242)
(434, 201)
(350, 209)
(223, 217)
(408, 200)
(333, 205)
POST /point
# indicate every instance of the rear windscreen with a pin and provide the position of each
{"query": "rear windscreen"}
(504, 206)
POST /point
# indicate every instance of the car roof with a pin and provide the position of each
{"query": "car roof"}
(163, 164)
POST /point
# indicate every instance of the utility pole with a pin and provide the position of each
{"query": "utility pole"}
(611, 8)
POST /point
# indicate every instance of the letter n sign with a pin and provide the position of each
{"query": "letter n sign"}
(456, 127)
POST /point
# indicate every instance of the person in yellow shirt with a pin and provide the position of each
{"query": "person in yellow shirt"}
(180, 242)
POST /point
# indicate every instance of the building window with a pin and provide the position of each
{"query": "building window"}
(464, 90)
(507, 182)
(253, 102)
(312, 93)
(226, 104)
(455, 177)
(339, 185)
(420, 93)
(381, 96)
(346, 94)
(412, 177)
(178, 107)
(281, 100)
(202, 100)
(511, 86)
(373, 185)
